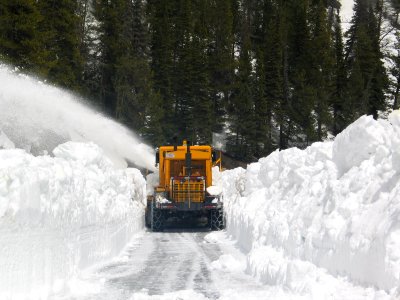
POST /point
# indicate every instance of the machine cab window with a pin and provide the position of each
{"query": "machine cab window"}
(178, 168)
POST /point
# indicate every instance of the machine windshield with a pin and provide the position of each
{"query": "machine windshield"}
(178, 168)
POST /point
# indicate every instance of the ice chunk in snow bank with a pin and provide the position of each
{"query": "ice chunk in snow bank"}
(214, 190)
(228, 262)
(213, 237)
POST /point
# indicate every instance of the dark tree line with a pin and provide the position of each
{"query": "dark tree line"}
(270, 73)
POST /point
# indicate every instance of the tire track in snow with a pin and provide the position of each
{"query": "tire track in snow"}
(167, 262)
(159, 263)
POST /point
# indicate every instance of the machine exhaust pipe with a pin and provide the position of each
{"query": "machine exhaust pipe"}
(175, 142)
(188, 159)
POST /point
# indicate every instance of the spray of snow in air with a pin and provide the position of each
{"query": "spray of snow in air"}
(38, 117)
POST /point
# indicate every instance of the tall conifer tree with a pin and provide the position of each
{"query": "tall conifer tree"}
(221, 57)
(301, 128)
(241, 140)
(162, 15)
(367, 80)
(61, 41)
(126, 78)
(274, 34)
(323, 59)
(339, 95)
(20, 42)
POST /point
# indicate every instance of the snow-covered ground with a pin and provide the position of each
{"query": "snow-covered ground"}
(323, 222)
(62, 214)
(320, 223)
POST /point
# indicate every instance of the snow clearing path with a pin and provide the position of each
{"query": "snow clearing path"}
(195, 265)
(165, 262)
(169, 265)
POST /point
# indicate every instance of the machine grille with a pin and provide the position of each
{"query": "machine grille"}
(192, 190)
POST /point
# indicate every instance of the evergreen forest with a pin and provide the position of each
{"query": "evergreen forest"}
(267, 74)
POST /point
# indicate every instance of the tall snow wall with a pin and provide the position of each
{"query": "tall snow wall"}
(62, 214)
(334, 205)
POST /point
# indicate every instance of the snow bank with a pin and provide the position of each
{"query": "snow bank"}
(333, 206)
(61, 214)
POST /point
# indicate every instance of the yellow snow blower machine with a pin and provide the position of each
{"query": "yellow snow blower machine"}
(185, 188)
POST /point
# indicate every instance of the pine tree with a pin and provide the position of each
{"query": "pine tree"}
(202, 110)
(162, 16)
(274, 34)
(90, 51)
(367, 81)
(301, 128)
(183, 85)
(221, 57)
(180, 32)
(379, 81)
(395, 72)
(262, 110)
(322, 72)
(340, 78)
(152, 131)
(109, 15)
(61, 41)
(132, 79)
(125, 72)
(241, 140)
(19, 35)
(261, 141)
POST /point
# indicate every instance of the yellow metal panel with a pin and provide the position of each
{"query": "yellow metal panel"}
(166, 175)
(180, 155)
(208, 173)
(184, 148)
(197, 152)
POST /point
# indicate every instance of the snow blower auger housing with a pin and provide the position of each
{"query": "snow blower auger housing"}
(185, 174)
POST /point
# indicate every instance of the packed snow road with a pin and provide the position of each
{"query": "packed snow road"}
(172, 264)
(164, 262)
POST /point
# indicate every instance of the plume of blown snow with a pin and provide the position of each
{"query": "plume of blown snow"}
(38, 117)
